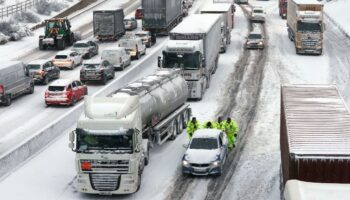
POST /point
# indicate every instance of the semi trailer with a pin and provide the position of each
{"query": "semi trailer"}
(108, 24)
(194, 48)
(314, 135)
(113, 136)
(160, 16)
(227, 14)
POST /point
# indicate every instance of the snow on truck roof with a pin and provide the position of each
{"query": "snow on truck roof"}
(307, 2)
(317, 120)
(300, 190)
(197, 23)
(216, 7)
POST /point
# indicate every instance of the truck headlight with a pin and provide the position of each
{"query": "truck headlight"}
(260, 43)
(185, 163)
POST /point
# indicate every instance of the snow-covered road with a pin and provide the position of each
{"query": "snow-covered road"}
(246, 86)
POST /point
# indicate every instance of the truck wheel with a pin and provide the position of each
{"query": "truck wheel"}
(71, 39)
(41, 45)
(146, 161)
(61, 45)
(139, 182)
(173, 131)
(7, 100)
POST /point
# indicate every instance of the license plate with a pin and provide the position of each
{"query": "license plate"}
(200, 170)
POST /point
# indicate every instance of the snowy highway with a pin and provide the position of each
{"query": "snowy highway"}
(245, 86)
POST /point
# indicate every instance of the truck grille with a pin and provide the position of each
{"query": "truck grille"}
(114, 166)
(105, 182)
(309, 43)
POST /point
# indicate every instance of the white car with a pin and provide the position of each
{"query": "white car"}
(206, 153)
(258, 15)
(117, 56)
(67, 59)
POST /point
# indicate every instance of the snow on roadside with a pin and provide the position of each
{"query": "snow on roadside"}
(338, 11)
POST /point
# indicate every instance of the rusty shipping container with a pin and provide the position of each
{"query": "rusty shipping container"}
(314, 134)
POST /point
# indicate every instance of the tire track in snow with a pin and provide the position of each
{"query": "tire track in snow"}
(244, 95)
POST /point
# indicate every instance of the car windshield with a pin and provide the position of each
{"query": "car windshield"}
(181, 60)
(33, 67)
(56, 88)
(204, 143)
(121, 140)
(141, 34)
(305, 26)
(91, 66)
(61, 57)
(80, 45)
(254, 36)
(258, 11)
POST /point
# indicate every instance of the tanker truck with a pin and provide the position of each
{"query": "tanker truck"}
(305, 25)
(113, 136)
(194, 48)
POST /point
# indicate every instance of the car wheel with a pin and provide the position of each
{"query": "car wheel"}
(31, 89)
(46, 80)
(7, 100)
(74, 101)
(138, 55)
(104, 80)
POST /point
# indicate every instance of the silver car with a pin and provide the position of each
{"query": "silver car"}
(87, 48)
(206, 153)
(97, 70)
(130, 24)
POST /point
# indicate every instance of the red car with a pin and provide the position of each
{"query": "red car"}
(65, 92)
(138, 13)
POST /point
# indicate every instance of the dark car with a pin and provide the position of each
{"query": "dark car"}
(130, 24)
(87, 48)
(43, 71)
(97, 70)
(65, 92)
(139, 13)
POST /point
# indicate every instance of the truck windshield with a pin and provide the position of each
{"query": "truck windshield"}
(183, 60)
(120, 141)
(204, 143)
(304, 26)
(254, 36)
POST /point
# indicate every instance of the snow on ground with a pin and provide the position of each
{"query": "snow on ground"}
(338, 10)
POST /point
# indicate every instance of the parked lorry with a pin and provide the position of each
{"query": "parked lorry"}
(108, 24)
(227, 12)
(113, 137)
(58, 34)
(160, 16)
(314, 134)
(305, 25)
(194, 48)
(301, 190)
(282, 6)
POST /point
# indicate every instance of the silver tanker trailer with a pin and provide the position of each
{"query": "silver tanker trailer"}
(113, 136)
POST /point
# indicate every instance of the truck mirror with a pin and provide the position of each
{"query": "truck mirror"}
(71, 144)
(137, 148)
(159, 61)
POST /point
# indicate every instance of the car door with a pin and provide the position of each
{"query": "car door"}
(48, 70)
(107, 66)
(75, 90)
(80, 89)
(56, 70)
(94, 47)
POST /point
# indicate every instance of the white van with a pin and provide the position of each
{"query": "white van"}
(117, 56)
(133, 45)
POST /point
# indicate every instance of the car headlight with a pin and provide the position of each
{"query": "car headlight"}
(185, 163)
(215, 163)
(260, 43)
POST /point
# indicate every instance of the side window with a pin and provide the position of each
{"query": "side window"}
(78, 83)
(74, 85)
(46, 65)
(106, 63)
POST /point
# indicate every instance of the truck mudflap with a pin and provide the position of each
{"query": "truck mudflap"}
(162, 128)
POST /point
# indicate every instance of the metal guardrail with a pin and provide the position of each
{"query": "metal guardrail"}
(19, 7)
